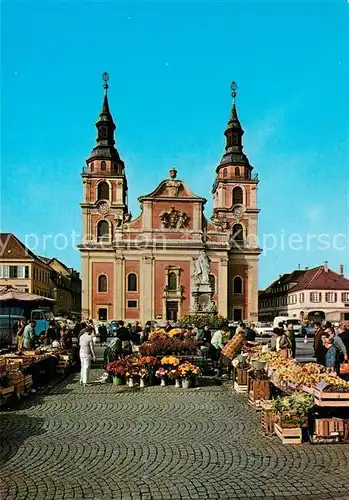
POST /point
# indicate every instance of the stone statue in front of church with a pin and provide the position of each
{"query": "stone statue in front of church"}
(202, 269)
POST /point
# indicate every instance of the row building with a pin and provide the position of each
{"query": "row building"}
(315, 294)
(46, 277)
(170, 260)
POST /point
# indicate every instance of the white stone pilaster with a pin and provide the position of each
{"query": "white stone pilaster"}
(223, 286)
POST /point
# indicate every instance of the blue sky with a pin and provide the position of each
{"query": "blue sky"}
(170, 68)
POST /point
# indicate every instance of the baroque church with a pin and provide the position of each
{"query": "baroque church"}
(171, 260)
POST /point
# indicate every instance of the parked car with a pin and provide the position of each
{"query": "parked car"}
(297, 327)
(264, 329)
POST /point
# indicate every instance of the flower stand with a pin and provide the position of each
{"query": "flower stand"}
(178, 383)
(130, 382)
(163, 382)
(142, 382)
(186, 383)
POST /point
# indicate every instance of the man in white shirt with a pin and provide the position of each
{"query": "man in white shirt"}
(87, 353)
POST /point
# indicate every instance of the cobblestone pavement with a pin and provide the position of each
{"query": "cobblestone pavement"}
(157, 444)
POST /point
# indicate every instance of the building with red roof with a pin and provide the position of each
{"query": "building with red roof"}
(310, 294)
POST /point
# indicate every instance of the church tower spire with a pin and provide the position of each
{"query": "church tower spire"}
(234, 154)
(105, 147)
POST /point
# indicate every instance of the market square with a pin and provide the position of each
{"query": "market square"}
(174, 251)
(159, 444)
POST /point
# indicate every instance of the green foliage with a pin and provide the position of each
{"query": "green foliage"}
(213, 321)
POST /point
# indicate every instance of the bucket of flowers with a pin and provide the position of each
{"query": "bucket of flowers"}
(162, 373)
(119, 369)
(174, 374)
(187, 373)
(146, 366)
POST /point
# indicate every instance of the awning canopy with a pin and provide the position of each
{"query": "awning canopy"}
(10, 293)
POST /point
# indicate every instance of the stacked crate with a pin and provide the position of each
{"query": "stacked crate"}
(267, 418)
(258, 391)
(64, 365)
(240, 383)
(16, 379)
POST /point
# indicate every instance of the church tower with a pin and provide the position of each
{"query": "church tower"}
(104, 206)
(235, 209)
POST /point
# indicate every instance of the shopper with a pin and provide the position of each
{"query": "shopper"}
(87, 353)
(319, 349)
(338, 342)
(331, 355)
(21, 326)
(292, 338)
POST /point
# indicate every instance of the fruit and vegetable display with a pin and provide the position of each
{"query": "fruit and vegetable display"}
(293, 410)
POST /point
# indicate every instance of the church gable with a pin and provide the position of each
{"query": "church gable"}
(172, 188)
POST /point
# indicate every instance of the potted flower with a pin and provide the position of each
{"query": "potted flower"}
(147, 366)
(175, 375)
(187, 372)
(162, 373)
(119, 369)
(169, 362)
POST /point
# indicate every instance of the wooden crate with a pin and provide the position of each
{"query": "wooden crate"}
(241, 376)
(288, 435)
(331, 399)
(6, 390)
(267, 419)
(259, 389)
(241, 389)
(256, 404)
(330, 430)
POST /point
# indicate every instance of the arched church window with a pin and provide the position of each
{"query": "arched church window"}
(238, 196)
(92, 167)
(132, 282)
(213, 282)
(225, 172)
(237, 285)
(238, 233)
(102, 283)
(172, 281)
(103, 165)
(237, 171)
(103, 191)
(102, 231)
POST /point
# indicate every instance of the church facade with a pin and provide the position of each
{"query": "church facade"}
(171, 260)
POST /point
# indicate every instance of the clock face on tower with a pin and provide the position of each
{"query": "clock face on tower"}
(103, 207)
(238, 212)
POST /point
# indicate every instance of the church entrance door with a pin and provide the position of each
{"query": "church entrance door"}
(172, 310)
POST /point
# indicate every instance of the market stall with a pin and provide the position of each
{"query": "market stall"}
(297, 401)
(22, 372)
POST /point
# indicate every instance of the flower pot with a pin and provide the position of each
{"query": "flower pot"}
(130, 382)
(163, 382)
(118, 380)
(178, 383)
(186, 383)
(142, 382)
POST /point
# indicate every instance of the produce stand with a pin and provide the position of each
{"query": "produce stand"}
(293, 397)
(23, 371)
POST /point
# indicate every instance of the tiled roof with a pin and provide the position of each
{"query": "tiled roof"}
(321, 278)
(12, 248)
(275, 289)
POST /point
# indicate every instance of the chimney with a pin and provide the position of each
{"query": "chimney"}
(341, 270)
(326, 266)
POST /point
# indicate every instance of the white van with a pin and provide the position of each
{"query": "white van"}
(297, 327)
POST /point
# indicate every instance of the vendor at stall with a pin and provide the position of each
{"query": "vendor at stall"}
(29, 335)
(280, 342)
